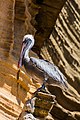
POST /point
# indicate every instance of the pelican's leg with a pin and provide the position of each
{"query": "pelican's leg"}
(42, 88)
(45, 80)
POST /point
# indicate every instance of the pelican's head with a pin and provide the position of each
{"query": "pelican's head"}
(27, 44)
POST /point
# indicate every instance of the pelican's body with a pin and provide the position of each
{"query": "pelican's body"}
(38, 68)
(33, 71)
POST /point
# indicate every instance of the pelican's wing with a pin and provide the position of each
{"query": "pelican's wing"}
(50, 69)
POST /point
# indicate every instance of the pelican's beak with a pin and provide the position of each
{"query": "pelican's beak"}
(25, 46)
(20, 62)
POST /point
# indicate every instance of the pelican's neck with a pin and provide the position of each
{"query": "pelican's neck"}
(27, 49)
(26, 55)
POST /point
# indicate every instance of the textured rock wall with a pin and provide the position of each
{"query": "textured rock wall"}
(22, 24)
(63, 48)
(6, 26)
(13, 92)
(64, 44)
(19, 25)
(43, 17)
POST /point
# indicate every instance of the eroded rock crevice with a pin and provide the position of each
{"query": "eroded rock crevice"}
(6, 27)
(44, 19)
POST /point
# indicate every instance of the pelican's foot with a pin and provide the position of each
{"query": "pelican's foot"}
(41, 89)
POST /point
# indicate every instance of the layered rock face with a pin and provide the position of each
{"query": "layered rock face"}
(64, 44)
(6, 27)
(44, 14)
(57, 41)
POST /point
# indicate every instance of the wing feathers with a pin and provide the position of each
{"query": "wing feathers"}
(49, 68)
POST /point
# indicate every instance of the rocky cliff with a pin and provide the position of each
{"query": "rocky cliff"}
(56, 27)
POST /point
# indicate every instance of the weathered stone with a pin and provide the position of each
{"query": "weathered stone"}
(68, 102)
(19, 26)
(40, 112)
(61, 113)
(64, 44)
(44, 104)
(77, 116)
(6, 27)
(45, 19)
(63, 48)
(45, 96)
(39, 107)
(27, 116)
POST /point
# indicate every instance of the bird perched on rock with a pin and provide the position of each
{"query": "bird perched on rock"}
(39, 68)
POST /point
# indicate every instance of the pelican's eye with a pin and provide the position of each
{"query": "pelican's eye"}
(27, 40)
(24, 41)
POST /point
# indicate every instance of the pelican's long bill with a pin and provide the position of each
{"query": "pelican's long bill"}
(20, 62)
(25, 46)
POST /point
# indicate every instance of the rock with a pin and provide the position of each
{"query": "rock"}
(40, 105)
(45, 96)
(43, 19)
(66, 100)
(62, 48)
(49, 117)
(27, 116)
(6, 28)
(61, 113)
(77, 116)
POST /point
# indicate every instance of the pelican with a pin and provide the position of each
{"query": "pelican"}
(39, 68)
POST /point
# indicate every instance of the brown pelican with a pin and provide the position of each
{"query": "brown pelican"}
(39, 68)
